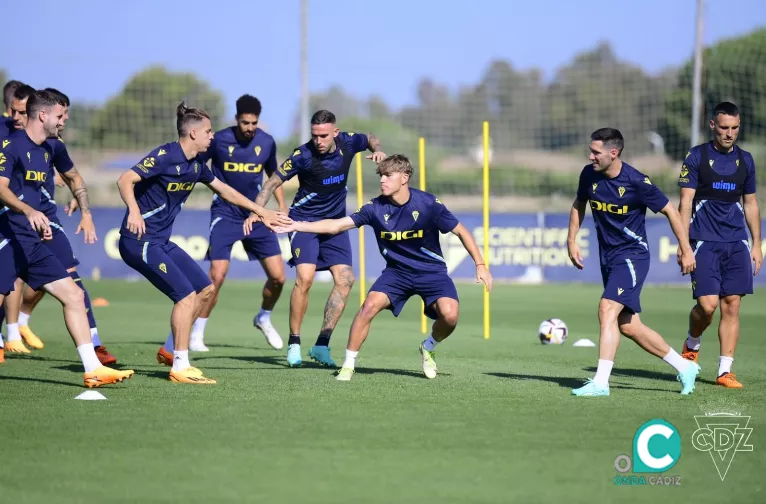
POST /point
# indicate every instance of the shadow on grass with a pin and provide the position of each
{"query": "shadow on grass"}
(643, 373)
(77, 384)
(570, 383)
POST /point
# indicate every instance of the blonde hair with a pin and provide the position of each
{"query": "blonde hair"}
(186, 116)
(395, 163)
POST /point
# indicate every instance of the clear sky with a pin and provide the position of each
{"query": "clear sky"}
(89, 48)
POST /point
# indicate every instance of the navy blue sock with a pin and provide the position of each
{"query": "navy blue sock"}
(294, 339)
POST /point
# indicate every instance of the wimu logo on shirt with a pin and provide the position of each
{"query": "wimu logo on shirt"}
(337, 179)
(724, 186)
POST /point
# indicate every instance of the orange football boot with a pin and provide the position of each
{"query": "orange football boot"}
(190, 375)
(104, 356)
(728, 380)
(691, 355)
(105, 376)
(30, 338)
(16, 346)
(164, 357)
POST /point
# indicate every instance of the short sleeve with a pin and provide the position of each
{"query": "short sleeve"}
(206, 176)
(364, 215)
(690, 169)
(358, 141)
(650, 195)
(61, 160)
(445, 220)
(292, 165)
(582, 186)
(750, 183)
(7, 159)
(149, 167)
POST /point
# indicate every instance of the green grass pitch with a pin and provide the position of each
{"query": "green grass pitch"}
(498, 424)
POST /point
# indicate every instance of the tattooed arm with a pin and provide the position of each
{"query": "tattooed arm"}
(373, 145)
(76, 184)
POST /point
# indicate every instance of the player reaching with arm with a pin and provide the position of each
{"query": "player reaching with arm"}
(322, 167)
(718, 205)
(407, 223)
(619, 196)
(240, 155)
(154, 192)
(28, 162)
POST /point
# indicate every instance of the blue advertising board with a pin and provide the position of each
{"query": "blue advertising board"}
(522, 248)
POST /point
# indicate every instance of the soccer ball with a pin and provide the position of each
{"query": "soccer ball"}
(553, 332)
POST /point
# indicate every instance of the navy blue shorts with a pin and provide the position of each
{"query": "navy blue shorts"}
(60, 246)
(36, 264)
(8, 273)
(224, 233)
(320, 249)
(400, 286)
(166, 266)
(723, 269)
(623, 281)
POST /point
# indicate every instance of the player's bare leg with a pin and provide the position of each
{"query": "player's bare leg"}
(608, 343)
(299, 302)
(181, 319)
(72, 300)
(700, 318)
(2, 346)
(375, 303)
(728, 334)
(447, 312)
(15, 344)
(218, 270)
(167, 351)
(343, 278)
(274, 268)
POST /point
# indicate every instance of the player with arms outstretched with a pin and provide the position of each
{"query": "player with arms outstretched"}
(240, 155)
(407, 223)
(619, 196)
(154, 192)
(28, 162)
(322, 167)
(718, 205)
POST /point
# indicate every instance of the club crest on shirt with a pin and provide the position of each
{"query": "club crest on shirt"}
(415, 215)
(257, 150)
(46, 157)
(163, 268)
(196, 167)
(621, 191)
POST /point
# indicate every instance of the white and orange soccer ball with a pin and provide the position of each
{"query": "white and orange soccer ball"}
(553, 332)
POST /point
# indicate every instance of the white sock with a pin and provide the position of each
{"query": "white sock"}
(603, 371)
(264, 315)
(2, 345)
(674, 359)
(88, 357)
(724, 364)
(198, 329)
(180, 360)
(693, 343)
(350, 361)
(169, 345)
(430, 343)
(13, 332)
(24, 318)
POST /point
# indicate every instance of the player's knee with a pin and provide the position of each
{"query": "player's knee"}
(607, 311)
(206, 293)
(730, 306)
(73, 296)
(188, 301)
(277, 280)
(303, 282)
(708, 306)
(449, 314)
(217, 276)
(345, 278)
(629, 330)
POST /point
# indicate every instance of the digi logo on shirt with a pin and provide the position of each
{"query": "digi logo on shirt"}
(231, 166)
(180, 186)
(36, 176)
(600, 206)
(401, 235)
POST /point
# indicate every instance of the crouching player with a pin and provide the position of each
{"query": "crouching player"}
(407, 223)
(154, 191)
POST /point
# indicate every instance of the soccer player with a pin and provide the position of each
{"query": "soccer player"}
(619, 196)
(9, 88)
(718, 202)
(322, 166)
(28, 159)
(59, 244)
(407, 223)
(154, 191)
(240, 155)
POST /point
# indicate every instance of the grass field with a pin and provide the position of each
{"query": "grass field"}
(497, 425)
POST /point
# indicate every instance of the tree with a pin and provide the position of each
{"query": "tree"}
(733, 70)
(143, 114)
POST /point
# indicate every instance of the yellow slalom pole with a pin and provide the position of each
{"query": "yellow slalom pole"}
(360, 202)
(486, 224)
(422, 173)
